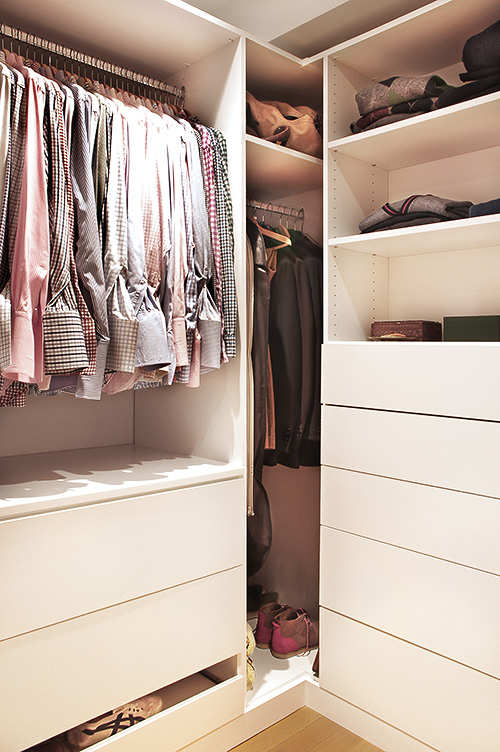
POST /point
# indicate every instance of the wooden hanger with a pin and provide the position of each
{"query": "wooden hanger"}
(285, 241)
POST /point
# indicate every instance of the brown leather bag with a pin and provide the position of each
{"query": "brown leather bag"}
(278, 122)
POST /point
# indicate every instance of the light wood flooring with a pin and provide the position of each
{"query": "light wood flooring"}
(306, 731)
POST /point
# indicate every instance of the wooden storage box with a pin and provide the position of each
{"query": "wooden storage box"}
(471, 328)
(411, 330)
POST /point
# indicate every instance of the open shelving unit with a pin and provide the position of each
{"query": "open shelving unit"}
(407, 426)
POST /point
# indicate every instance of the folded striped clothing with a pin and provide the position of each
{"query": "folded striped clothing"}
(397, 89)
(413, 107)
(415, 210)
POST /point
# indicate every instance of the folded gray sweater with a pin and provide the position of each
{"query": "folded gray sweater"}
(415, 207)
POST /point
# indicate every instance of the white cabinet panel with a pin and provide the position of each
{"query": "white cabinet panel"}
(73, 671)
(447, 608)
(452, 525)
(423, 377)
(446, 452)
(87, 558)
(448, 706)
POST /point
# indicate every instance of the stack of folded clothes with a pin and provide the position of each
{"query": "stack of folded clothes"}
(415, 210)
(481, 58)
(397, 98)
(484, 208)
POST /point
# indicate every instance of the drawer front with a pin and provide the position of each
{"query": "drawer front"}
(452, 525)
(445, 452)
(66, 563)
(177, 727)
(414, 377)
(450, 609)
(443, 704)
(73, 671)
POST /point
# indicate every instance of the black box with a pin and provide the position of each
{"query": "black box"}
(471, 328)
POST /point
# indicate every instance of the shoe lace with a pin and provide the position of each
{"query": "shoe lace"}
(307, 621)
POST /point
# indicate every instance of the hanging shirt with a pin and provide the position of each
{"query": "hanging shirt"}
(66, 347)
(7, 83)
(226, 241)
(123, 324)
(88, 252)
(152, 349)
(211, 200)
(30, 263)
(173, 298)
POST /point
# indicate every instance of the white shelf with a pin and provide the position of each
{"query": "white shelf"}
(460, 128)
(454, 235)
(269, 167)
(276, 675)
(56, 480)
(424, 41)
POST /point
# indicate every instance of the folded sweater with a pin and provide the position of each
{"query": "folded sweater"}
(486, 207)
(417, 207)
(398, 89)
(471, 90)
(413, 107)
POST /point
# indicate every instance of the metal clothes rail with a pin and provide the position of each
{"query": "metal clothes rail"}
(176, 95)
(297, 215)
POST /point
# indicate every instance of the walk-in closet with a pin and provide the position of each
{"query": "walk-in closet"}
(126, 521)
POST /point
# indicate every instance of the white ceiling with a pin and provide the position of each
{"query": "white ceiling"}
(306, 28)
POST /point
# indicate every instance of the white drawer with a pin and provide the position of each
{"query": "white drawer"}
(457, 379)
(452, 525)
(183, 724)
(442, 703)
(445, 452)
(66, 563)
(450, 609)
(73, 671)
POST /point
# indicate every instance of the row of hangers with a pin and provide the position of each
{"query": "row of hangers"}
(135, 89)
(285, 228)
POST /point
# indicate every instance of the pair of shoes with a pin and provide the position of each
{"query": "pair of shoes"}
(256, 598)
(285, 630)
(111, 723)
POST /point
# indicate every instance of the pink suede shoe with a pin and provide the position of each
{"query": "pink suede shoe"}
(294, 633)
(268, 613)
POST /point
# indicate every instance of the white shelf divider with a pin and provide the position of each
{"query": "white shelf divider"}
(269, 167)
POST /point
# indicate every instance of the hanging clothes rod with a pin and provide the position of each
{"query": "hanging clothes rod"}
(30, 40)
(283, 211)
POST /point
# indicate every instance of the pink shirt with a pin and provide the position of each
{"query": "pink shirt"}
(30, 264)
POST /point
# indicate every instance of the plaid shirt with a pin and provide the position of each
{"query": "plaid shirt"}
(226, 238)
(7, 84)
(211, 191)
(145, 235)
(65, 345)
(174, 294)
(182, 373)
(123, 324)
(13, 395)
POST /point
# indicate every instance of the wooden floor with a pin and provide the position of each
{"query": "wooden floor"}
(306, 731)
